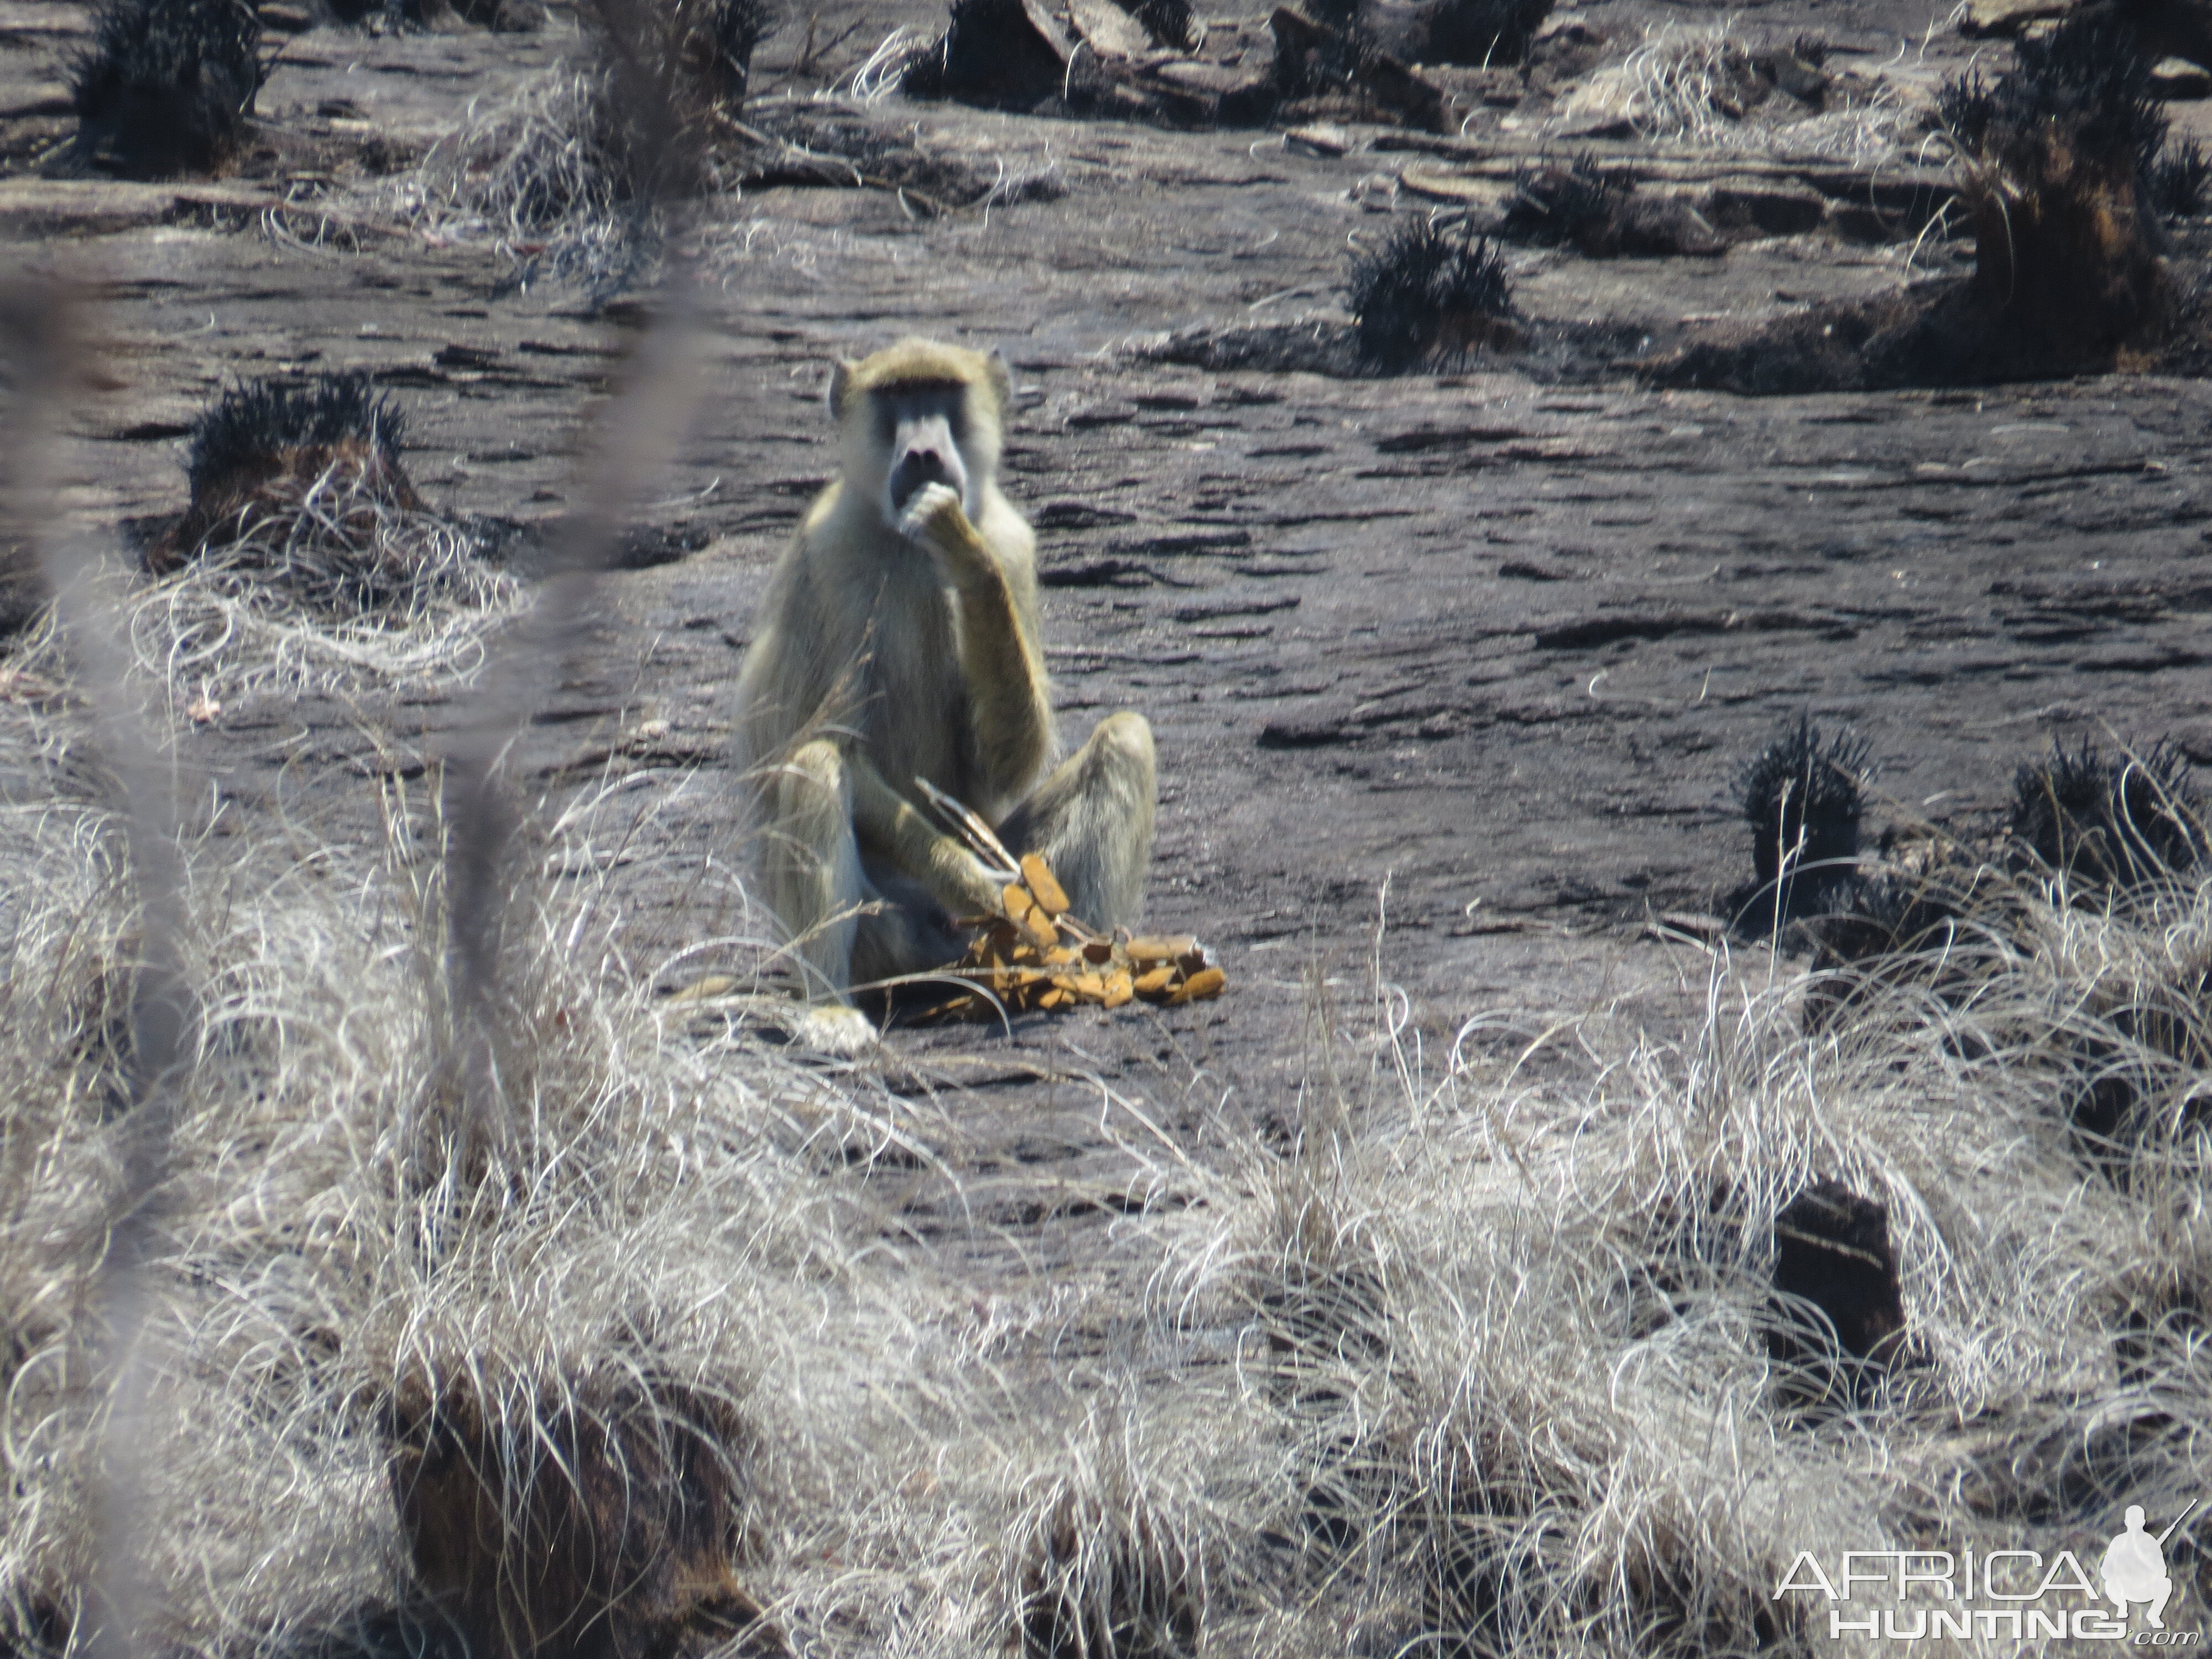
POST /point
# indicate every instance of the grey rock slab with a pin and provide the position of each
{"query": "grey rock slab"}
(2179, 81)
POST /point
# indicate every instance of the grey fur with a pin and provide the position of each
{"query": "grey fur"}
(895, 650)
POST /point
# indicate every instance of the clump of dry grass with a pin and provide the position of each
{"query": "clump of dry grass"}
(219, 632)
(377, 1256)
(305, 560)
(1566, 1366)
(1714, 86)
(584, 172)
(1107, 1559)
(881, 73)
(1475, 1361)
(545, 176)
(384, 1378)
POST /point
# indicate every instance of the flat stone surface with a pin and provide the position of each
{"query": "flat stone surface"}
(101, 207)
(50, 100)
(2177, 79)
(2007, 17)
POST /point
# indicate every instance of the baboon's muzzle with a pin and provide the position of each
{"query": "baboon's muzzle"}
(925, 455)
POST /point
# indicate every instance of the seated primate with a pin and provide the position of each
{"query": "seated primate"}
(899, 642)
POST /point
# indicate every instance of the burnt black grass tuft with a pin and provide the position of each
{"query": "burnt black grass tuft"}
(1341, 54)
(727, 37)
(2178, 181)
(249, 424)
(2119, 821)
(2088, 76)
(1484, 33)
(988, 54)
(1171, 23)
(167, 86)
(1802, 797)
(1427, 293)
(1551, 204)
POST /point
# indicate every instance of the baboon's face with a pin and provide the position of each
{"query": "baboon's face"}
(923, 434)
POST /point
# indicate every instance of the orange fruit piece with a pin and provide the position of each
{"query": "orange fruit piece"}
(1160, 950)
(1152, 983)
(1208, 982)
(1022, 911)
(1042, 883)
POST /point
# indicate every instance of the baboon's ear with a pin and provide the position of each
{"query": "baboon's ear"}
(1002, 383)
(840, 386)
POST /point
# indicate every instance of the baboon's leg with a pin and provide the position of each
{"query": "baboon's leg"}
(899, 841)
(911, 934)
(1091, 820)
(812, 866)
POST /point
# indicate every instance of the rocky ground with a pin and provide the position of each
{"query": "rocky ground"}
(1463, 663)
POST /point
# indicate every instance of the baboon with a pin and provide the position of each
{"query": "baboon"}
(900, 642)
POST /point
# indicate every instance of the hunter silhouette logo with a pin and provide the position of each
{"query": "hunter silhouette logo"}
(2134, 1568)
(2018, 1595)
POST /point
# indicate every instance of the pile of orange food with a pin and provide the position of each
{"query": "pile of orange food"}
(1037, 956)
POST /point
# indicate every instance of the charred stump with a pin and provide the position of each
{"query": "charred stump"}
(582, 1523)
(1838, 1312)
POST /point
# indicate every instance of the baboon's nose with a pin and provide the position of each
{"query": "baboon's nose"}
(916, 468)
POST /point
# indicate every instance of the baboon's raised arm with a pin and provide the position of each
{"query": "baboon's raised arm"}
(1009, 694)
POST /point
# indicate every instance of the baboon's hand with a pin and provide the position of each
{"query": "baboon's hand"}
(935, 521)
(959, 881)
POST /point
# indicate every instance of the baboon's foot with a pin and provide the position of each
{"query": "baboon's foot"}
(835, 1028)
